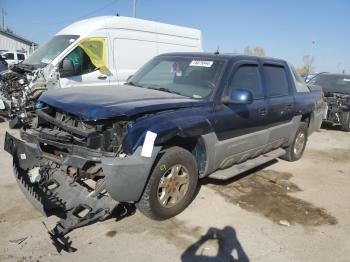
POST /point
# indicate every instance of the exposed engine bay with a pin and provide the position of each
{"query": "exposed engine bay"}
(338, 103)
(55, 125)
(20, 87)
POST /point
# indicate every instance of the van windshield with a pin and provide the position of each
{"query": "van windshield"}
(187, 76)
(50, 50)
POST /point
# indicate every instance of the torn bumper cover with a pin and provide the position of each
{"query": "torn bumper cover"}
(56, 193)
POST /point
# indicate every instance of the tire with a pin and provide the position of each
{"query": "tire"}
(295, 151)
(166, 193)
(346, 121)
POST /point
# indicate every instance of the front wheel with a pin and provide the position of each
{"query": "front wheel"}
(171, 186)
(296, 149)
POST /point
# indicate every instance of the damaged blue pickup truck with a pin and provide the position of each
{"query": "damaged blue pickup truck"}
(180, 118)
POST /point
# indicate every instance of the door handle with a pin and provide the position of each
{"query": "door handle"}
(263, 111)
(102, 77)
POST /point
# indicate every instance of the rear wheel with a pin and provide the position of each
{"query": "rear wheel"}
(296, 149)
(171, 186)
(346, 121)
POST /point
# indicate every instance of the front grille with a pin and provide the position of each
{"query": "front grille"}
(104, 136)
(51, 118)
(72, 121)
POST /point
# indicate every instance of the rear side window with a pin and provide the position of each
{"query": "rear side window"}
(247, 77)
(276, 80)
(20, 56)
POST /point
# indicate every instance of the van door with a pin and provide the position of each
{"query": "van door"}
(84, 72)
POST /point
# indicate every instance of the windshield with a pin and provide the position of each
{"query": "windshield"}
(187, 76)
(50, 50)
(332, 83)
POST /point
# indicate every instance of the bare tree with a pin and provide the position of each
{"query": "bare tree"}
(308, 63)
(302, 70)
(247, 51)
(259, 51)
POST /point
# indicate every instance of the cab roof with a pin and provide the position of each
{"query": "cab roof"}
(207, 55)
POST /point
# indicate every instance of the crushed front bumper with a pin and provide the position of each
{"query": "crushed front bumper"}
(58, 195)
(61, 195)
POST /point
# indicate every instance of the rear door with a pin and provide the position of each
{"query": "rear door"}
(240, 127)
(280, 103)
(20, 57)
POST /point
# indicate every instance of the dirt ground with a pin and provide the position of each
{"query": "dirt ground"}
(281, 212)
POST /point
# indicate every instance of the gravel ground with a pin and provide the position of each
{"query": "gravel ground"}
(281, 212)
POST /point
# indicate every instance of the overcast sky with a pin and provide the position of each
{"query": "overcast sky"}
(285, 29)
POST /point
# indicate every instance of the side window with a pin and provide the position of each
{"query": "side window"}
(247, 77)
(276, 81)
(81, 61)
(300, 84)
(9, 56)
(20, 56)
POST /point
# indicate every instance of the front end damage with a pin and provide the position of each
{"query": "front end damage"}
(337, 103)
(20, 88)
(75, 171)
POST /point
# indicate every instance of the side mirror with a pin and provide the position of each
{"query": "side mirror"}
(3, 57)
(67, 68)
(239, 96)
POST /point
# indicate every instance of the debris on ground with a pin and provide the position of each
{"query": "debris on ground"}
(18, 241)
(284, 223)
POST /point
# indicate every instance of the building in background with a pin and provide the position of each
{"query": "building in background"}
(12, 42)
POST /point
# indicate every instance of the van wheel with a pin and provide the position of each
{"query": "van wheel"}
(296, 149)
(346, 122)
(171, 186)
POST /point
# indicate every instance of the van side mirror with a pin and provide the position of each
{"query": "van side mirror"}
(67, 68)
(239, 96)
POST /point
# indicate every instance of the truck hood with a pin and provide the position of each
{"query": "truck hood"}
(97, 103)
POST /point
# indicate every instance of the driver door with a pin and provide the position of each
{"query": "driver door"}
(84, 72)
(240, 127)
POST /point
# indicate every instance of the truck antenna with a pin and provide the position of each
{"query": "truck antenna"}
(217, 51)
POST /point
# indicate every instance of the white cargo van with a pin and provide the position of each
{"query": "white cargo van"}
(108, 49)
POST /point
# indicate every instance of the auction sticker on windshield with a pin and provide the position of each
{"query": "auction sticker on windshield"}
(201, 63)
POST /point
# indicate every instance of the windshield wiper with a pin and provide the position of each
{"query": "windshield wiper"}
(164, 90)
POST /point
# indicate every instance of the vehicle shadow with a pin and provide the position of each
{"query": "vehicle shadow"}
(227, 244)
